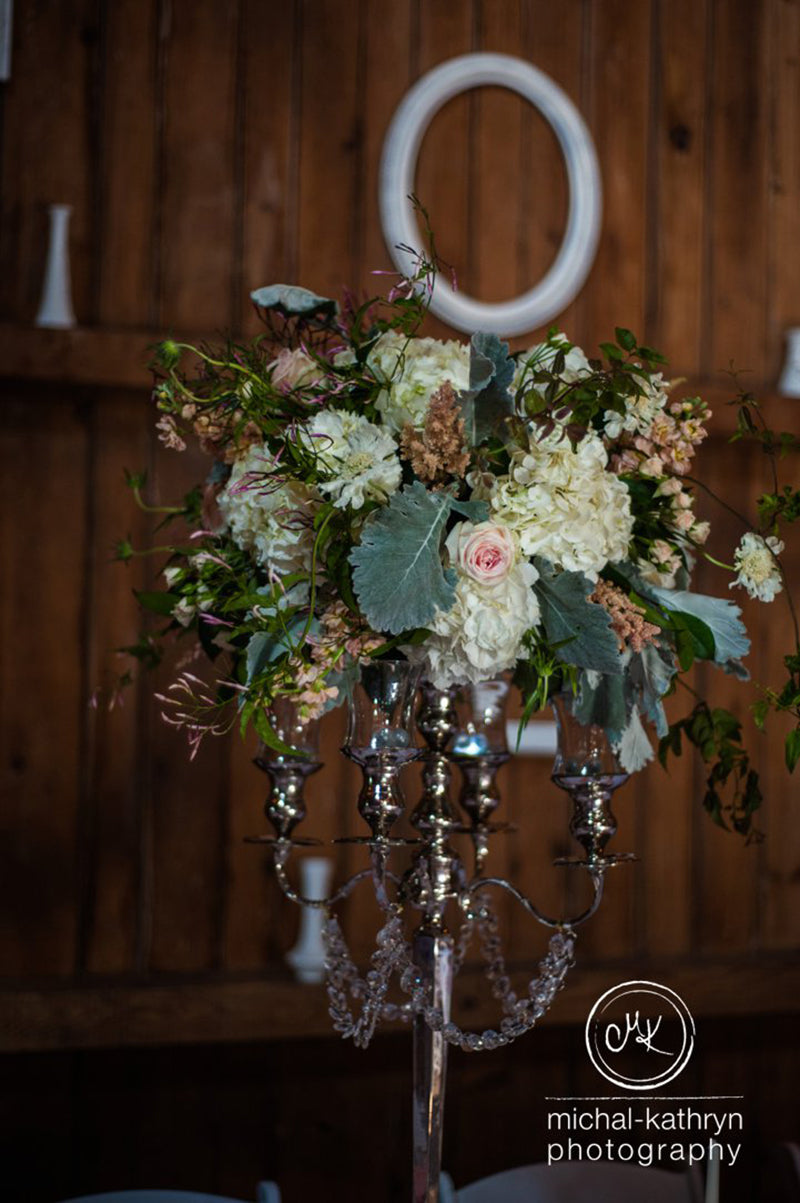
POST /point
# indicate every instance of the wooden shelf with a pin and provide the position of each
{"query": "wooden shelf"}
(85, 355)
(188, 1012)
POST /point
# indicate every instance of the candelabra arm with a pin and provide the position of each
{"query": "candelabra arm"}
(596, 875)
(433, 959)
(280, 856)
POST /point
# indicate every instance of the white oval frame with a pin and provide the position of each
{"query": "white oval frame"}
(401, 146)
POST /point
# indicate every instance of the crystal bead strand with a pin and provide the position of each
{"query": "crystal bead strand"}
(541, 991)
(343, 979)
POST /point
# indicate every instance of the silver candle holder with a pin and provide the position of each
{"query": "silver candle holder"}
(410, 976)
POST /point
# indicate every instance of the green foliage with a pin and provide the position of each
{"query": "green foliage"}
(717, 735)
(780, 506)
(539, 674)
(580, 405)
(147, 650)
(157, 603)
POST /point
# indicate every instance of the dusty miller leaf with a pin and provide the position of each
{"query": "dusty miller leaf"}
(487, 401)
(398, 574)
(601, 702)
(289, 299)
(635, 749)
(473, 511)
(720, 615)
(652, 670)
(568, 618)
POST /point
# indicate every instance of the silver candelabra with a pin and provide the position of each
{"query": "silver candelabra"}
(462, 726)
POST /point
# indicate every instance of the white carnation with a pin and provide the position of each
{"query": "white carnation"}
(480, 635)
(759, 571)
(268, 516)
(412, 369)
(564, 504)
(359, 458)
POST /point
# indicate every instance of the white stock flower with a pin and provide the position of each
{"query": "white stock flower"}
(412, 369)
(480, 635)
(268, 516)
(359, 458)
(640, 412)
(564, 504)
(758, 569)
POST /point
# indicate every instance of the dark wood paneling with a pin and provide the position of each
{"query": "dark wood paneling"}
(43, 688)
(111, 861)
(200, 170)
(128, 235)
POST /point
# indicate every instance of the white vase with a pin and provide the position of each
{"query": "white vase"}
(307, 958)
(789, 383)
(55, 310)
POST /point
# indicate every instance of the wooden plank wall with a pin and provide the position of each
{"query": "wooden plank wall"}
(208, 148)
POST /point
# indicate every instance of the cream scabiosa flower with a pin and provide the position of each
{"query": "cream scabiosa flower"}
(412, 370)
(564, 504)
(268, 516)
(759, 572)
(481, 634)
(359, 459)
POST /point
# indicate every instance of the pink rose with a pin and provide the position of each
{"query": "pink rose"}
(294, 369)
(486, 552)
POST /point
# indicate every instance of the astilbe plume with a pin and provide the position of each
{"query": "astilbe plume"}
(627, 619)
(440, 449)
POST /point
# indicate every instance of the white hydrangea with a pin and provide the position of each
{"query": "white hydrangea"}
(413, 369)
(269, 517)
(359, 458)
(564, 504)
(481, 634)
(576, 364)
(759, 572)
(640, 412)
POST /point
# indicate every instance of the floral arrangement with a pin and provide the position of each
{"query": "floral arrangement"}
(376, 493)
